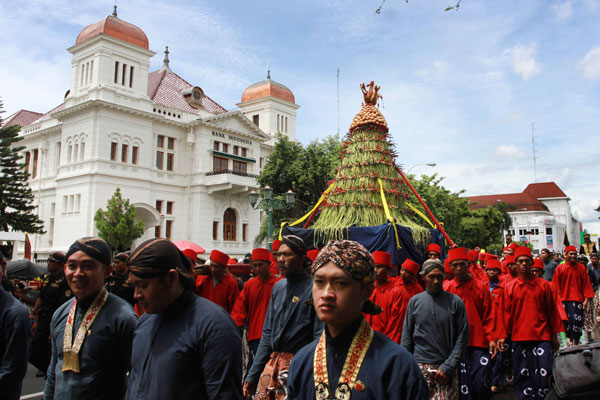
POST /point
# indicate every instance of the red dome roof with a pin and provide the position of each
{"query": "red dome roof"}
(117, 28)
(267, 88)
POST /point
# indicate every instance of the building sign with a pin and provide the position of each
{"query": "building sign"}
(523, 239)
(232, 138)
(549, 241)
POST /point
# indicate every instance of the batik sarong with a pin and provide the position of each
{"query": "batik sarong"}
(532, 368)
(272, 384)
(448, 391)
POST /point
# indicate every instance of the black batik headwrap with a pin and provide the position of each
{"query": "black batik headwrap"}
(156, 257)
(295, 243)
(93, 247)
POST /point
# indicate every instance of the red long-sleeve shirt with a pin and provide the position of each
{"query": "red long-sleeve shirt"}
(388, 322)
(497, 294)
(406, 292)
(531, 310)
(573, 282)
(478, 303)
(223, 294)
(478, 273)
(252, 304)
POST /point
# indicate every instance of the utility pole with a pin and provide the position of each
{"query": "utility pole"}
(338, 101)
(534, 152)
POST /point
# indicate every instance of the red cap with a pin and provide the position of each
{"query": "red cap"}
(411, 266)
(312, 254)
(232, 261)
(261, 255)
(276, 244)
(489, 257)
(382, 258)
(510, 259)
(191, 254)
(434, 247)
(570, 248)
(513, 245)
(506, 248)
(538, 263)
(482, 256)
(493, 263)
(457, 253)
(447, 268)
(523, 251)
(219, 257)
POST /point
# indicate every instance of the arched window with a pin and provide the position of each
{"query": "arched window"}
(229, 225)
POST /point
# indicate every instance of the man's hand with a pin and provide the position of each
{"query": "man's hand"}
(439, 377)
(555, 344)
(585, 303)
(500, 345)
(493, 349)
(249, 389)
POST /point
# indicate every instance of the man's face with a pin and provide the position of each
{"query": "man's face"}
(407, 276)
(586, 238)
(85, 275)
(217, 270)
(337, 297)
(262, 269)
(571, 257)
(556, 257)
(508, 239)
(460, 269)
(151, 294)
(433, 254)
(493, 274)
(524, 264)
(545, 255)
(288, 261)
(381, 273)
(537, 272)
(54, 267)
(120, 266)
(512, 267)
(510, 251)
(434, 281)
(594, 260)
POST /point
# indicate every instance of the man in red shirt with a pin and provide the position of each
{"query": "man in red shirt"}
(575, 288)
(220, 287)
(475, 372)
(537, 270)
(533, 322)
(253, 301)
(386, 296)
(496, 286)
(408, 286)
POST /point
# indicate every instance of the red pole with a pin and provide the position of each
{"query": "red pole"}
(439, 226)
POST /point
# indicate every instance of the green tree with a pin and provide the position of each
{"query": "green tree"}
(482, 227)
(306, 171)
(16, 197)
(117, 224)
(448, 207)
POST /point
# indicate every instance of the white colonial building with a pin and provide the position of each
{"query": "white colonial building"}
(541, 214)
(185, 162)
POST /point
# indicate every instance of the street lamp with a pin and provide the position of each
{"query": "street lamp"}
(416, 165)
(269, 204)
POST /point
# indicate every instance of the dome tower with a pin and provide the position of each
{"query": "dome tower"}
(110, 54)
(271, 106)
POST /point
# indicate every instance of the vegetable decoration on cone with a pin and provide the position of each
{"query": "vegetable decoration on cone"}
(368, 189)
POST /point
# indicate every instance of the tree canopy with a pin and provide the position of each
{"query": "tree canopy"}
(117, 224)
(16, 197)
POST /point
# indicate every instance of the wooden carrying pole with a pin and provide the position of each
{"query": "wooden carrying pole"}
(439, 226)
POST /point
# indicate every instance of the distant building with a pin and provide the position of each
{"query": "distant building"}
(184, 161)
(541, 215)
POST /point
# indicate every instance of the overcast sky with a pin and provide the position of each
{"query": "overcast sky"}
(460, 89)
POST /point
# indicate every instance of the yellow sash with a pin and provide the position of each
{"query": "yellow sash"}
(71, 348)
(354, 359)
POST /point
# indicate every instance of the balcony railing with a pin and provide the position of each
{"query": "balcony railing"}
(231, 172)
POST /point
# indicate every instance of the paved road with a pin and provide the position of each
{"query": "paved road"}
(32, 386)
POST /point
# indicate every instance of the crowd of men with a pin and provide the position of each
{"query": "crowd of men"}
(334, 323)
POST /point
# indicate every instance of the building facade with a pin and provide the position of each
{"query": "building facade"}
(184, 161)
(541, 215)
